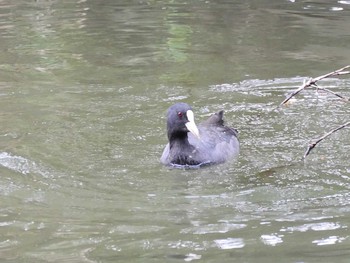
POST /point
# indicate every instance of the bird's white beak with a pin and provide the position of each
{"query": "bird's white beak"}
(191, 125)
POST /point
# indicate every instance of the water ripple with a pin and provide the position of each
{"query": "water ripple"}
(321, 226)
(17, 163)
(331, 240)
(230, 243)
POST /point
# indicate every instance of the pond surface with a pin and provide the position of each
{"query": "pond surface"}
(84, 88)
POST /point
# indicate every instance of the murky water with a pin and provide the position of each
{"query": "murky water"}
(84, 87)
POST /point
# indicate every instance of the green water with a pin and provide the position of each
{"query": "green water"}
(84, 87)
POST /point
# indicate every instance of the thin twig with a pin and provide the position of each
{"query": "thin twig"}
(313, 144)
(332, 92)
(312, 82)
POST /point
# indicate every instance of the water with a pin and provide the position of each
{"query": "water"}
(84, 86)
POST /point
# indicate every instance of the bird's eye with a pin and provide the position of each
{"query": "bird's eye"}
(179, 114)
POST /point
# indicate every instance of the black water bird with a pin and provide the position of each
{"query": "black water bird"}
(190, 145)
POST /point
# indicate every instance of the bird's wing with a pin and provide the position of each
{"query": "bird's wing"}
(165, 155)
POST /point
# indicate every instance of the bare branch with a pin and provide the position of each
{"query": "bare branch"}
(312, 82)
(313, 144)
(332, 92)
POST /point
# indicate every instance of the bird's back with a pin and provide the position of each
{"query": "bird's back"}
(217, 142)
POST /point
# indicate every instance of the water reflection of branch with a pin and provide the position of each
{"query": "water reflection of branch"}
(313, 144)
(313, 82)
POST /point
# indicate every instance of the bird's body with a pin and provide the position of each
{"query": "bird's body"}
(210, 143)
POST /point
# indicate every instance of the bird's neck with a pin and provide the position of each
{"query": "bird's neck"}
(181, 151)
(180, 139)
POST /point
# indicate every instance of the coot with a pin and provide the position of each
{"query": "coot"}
(210, 143)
